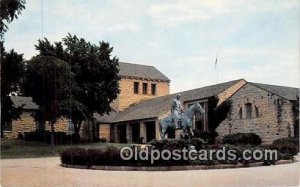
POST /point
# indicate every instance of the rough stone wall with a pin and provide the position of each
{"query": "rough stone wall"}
(24, 124)
(104, 131)
(127, 96)
(27, 124)
(275, 118)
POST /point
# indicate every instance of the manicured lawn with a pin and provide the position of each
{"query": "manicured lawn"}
(29, 149)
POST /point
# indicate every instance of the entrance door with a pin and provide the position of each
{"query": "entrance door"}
(171, 133)
(150, 130)
(135, 132)
(122, 133)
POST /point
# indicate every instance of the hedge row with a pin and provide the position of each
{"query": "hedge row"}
(242, 138)
(111, 156)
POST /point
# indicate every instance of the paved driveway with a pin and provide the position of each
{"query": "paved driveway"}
(47, 172)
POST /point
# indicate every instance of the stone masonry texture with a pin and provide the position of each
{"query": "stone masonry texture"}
(272, 116)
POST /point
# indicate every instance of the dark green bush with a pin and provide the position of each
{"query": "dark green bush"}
(209, 137)
(242, 138)
(287, 141)
(170, 144)
(74, 156)
(198, 143)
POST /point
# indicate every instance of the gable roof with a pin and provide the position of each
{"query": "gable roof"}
(158, 106)
(141, 71)
(26, 102)
(289, 93)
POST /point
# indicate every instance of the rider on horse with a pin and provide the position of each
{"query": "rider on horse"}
(176, 110)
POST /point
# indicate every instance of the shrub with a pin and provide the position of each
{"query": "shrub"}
(103, 140)
(74, 156)
(198, 143)
(209, 137)
(169, 144)
(287, 141)
(112, 156)
(242, 138)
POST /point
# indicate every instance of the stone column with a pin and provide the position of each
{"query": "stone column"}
(129, 133)
(205, 120)
(116, 134)
(143, 131)
(157, 130)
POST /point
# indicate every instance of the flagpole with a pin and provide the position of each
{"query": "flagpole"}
(216, 69)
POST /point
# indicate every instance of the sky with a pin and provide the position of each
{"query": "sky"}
(251, 39)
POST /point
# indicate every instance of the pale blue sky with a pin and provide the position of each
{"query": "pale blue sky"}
(257, 40)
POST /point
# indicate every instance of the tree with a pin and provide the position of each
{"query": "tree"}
(11, 63)
(10, 9)
(95, 74)
(12, 69)
(47, 81)
(216, 114)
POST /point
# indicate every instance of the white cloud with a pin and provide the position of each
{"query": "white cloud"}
(194, 10)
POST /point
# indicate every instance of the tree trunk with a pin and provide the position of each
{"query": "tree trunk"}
(2, 134)
(52, 137)
(76, 135)
(77, 127)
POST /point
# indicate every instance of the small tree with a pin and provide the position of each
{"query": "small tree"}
(47, 81)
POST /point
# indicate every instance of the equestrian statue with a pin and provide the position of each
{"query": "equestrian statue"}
(179, 119)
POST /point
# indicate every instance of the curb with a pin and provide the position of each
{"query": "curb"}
(174, 168)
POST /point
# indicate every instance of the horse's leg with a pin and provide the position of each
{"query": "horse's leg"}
(160, 130)
(163, 130)
(191, 132)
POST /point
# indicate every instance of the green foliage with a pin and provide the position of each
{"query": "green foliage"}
(47, 81)
(170, 144)
(12, 69)
(79, 156)
(286, 141)
(287, 145)
(95, 74)
(10, 9)
(209, 137)
(216, 114)
(242, 138)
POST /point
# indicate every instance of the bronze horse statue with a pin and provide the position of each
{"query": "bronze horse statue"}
(186, 121)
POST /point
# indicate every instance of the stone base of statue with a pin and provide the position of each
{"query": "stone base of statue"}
(178, 133)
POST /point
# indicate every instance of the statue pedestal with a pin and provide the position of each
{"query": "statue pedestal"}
(178, 132)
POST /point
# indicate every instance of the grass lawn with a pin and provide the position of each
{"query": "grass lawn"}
(29, 149)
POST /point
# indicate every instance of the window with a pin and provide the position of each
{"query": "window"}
(136, 87)
(241, 113)
(145, 88)
(256, 112)
(7, 126)
(153, 89)
(248, 110)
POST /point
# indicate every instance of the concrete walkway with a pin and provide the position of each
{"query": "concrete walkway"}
(48, 172)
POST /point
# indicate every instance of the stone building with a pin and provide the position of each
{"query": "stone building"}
(259, 108)
(266, 110)
(137, 83)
